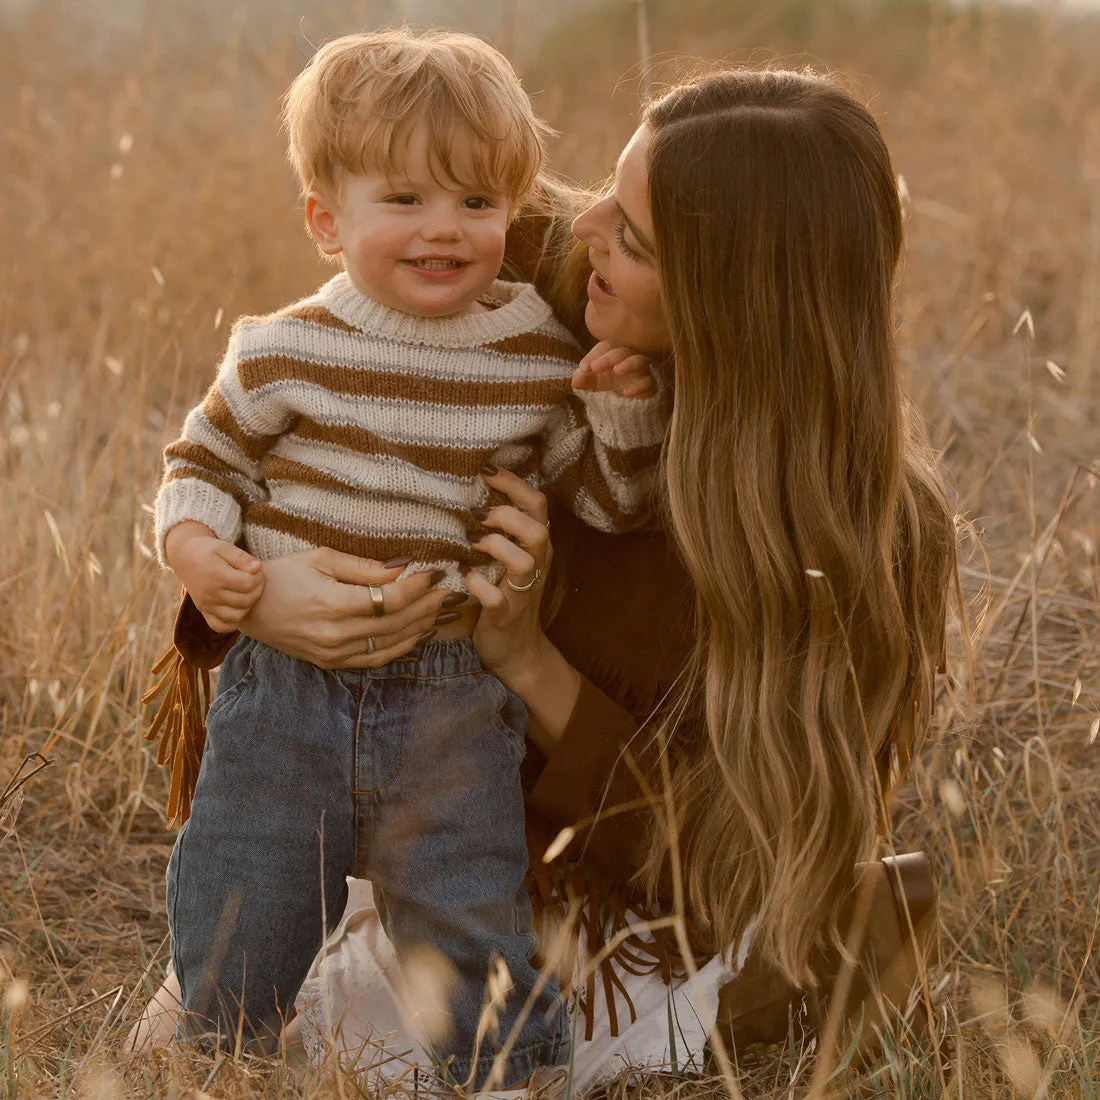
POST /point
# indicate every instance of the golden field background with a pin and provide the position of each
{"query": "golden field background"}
(146, 203)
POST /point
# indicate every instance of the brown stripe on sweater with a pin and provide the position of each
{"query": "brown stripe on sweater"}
(437, 460)
(221, 418)
(194, 473)
(185, 451)
(539, 345)
(316, 315)
(364, 546)
(629, 464)
(265, 370)
(584, 473)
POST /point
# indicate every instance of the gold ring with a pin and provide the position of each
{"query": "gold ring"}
(529, 585)
(377, 599)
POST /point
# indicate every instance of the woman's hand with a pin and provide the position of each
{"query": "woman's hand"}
(316, 606)
(609, 366)
(509, 635)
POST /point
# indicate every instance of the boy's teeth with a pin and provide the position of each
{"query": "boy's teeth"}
(437, 265)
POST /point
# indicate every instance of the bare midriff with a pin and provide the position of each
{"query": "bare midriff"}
(462, 627)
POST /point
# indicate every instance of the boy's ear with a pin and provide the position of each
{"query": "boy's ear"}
(321, 222)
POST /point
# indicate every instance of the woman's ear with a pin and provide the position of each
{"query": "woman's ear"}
(321, 222)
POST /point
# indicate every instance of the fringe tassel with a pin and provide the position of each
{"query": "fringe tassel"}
(607, 915)
(180, 722)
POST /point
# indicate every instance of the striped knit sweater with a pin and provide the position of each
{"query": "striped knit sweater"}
(340, 422)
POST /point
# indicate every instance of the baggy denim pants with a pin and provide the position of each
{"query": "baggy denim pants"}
(407, 775)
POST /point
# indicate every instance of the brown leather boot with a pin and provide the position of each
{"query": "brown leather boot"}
(896, 943)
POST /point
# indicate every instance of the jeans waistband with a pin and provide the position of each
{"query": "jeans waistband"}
(435, 660)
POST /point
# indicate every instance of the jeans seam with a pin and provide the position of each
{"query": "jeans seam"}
(356, 790)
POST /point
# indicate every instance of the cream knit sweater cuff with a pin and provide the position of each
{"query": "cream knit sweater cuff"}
(190, 498)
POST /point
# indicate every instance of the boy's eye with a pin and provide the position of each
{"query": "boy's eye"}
(403, 199)
(478, 202)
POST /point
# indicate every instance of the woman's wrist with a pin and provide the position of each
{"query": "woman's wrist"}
(549, 687)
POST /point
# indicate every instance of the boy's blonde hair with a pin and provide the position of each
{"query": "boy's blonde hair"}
(353, 105)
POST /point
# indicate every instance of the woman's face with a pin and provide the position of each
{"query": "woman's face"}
(624, 292)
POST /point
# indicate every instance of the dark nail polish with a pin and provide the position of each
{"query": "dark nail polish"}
(393, 563)
(435, 577)
(447, 617)
(479, 513)
(454, 599)
(489, 470)
(427, 635)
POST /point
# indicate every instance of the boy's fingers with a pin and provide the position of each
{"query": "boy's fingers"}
(643, 388)
(601, 349)
(583, 379)
(229, 579)
(238, 558)
(632, 364)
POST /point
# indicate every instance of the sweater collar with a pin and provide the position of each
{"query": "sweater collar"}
(520, 311)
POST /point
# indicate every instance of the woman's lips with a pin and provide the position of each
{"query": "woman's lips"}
(599, 289)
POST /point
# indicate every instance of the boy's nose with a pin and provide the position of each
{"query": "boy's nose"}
(442, 227)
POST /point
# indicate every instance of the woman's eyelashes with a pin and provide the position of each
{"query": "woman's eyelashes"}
(620, 236)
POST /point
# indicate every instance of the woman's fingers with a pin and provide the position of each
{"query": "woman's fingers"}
(518, 492)
(526, 530)
(518, 561)
(397, 595)
(491, 598)
(381, 656)
(354, 652)
(349, 569)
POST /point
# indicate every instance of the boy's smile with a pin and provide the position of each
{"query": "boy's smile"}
(412, 238)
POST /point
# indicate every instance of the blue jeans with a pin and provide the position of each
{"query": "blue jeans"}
(407, 775)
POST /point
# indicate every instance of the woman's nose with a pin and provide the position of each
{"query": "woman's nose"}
(588, 226)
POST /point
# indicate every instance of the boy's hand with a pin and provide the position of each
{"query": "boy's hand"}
(611, 367)
(223, 580)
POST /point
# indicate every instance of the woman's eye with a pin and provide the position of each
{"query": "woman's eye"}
(620, 236)
(403, 200)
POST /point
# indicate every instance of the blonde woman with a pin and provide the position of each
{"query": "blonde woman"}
(741, 680)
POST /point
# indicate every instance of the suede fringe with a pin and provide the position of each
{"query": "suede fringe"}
(607, 912)
(180, 722)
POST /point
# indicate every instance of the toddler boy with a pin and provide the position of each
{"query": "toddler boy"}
(360, 418)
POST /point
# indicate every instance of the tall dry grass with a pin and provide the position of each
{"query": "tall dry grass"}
(147, 203)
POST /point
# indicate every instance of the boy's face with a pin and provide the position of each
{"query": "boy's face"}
(411, 242)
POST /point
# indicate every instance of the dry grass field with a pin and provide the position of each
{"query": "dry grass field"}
(146, 203)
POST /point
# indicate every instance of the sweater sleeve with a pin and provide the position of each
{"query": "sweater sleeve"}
(600, 456)
(587, 776)
(212, 472)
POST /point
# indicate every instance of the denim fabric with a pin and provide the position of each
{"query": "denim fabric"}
(407, 775)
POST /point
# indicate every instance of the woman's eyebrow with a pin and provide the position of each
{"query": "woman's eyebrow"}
(639, 236)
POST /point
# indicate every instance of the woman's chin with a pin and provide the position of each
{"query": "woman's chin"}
(597, 322)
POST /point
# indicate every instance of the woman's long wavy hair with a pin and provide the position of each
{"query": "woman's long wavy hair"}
(802, 493)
